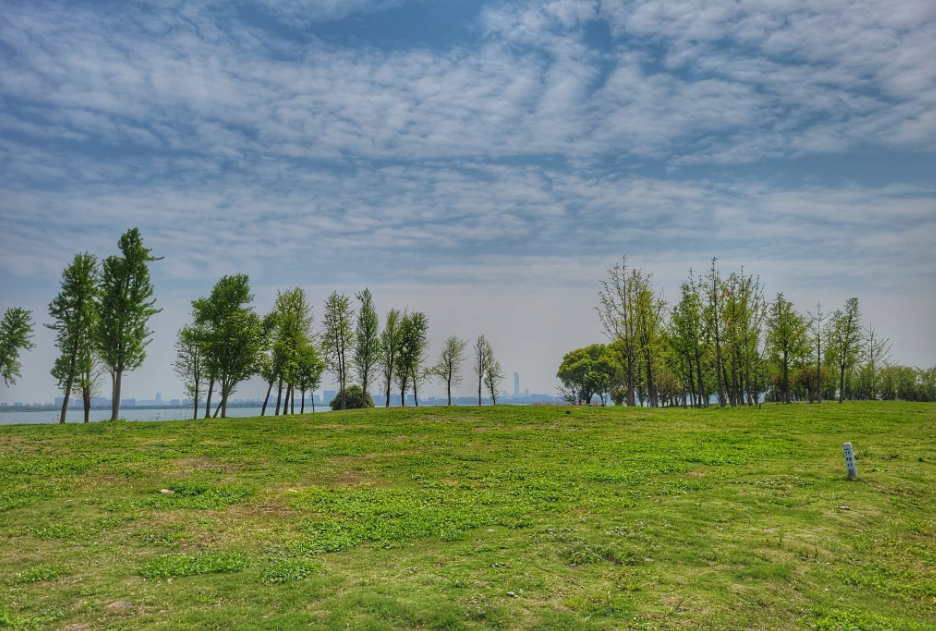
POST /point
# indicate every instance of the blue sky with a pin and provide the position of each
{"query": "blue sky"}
(484, 162)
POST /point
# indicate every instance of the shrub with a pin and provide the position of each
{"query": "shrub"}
(357, 399)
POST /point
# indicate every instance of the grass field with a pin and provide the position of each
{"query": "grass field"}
(466, 518)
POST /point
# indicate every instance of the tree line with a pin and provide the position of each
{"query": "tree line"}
(227, 342)
(100, 317)
(725, 340)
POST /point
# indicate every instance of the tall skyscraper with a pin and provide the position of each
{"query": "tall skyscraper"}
(516, 384)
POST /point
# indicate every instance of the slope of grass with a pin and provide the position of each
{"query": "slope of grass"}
(494, 518)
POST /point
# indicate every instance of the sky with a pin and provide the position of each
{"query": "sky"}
(484, 162)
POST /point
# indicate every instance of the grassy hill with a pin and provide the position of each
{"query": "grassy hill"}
(467, 518)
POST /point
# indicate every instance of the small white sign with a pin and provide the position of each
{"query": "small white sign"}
(850, 461)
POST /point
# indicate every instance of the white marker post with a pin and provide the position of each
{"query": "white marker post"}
(850, 461)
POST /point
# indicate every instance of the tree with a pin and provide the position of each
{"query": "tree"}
(414, 329)
(845, 341)
(190, 363)
(74, 310)
(715, 323)
(290, 332)
(618, 317)
(817, 327)
(876, 357)
(15, 336)
(125, 307)
(687, 338)
(389, 351)
(338, 338)
(482, 358)
(493, 376)
(353, 399)
(233, 335)
(449, 366)
(366, 340)
(586, 372)
(786, 340)
(309, 373)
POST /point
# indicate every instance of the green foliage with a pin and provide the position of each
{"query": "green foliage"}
(354, 398)
(15, 336)
(390, 351)
(448, 368)
(174, 565)
(411, 356)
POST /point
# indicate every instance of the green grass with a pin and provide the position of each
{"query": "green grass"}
(495, 518)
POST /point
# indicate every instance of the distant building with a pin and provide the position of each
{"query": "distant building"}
(158, 397)
(516, 384)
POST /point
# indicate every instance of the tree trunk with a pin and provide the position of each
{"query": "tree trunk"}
(302, 404)
(292, 399)
(115, 402)
(68, 387)
(208, 400)
(415, 391)
(449, 390)
(266, 399)
(86, 396)
(279, 396)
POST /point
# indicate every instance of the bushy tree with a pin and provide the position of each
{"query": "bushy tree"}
(190, 365)
(411, 358)
(233, 335)
(354, 398)
(586, 373)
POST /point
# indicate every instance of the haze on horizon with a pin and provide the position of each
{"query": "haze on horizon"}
(484, 162)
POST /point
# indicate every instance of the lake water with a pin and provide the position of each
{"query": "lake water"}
(178, 414)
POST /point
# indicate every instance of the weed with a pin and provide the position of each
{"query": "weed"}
(193, 564)
(39, 574)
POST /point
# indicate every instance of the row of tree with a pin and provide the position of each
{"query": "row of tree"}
(100, 320)
(227, 342)
(724, 339)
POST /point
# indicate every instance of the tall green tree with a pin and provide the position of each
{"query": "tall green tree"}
(618, 313)
(687, 338)
(290, 331)
(877, 356)
(189, 365)
(233, 334)
(16, 334)
(309, 373)
(817, 328)
(715, 291)
(338, 339)
(390, 351)
(787, 340)
(366, 340)
(846, 341)
(75, 312)
(449, 367)
(414, 332)
(125, 306)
